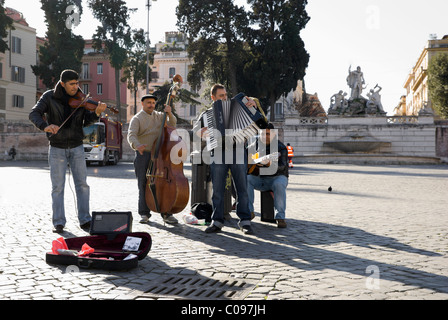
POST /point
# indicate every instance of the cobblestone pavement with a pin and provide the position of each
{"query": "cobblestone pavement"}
(380, 234)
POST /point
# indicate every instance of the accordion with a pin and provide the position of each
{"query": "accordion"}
(232, 117)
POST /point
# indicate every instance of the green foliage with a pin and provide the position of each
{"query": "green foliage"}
(279, 55)
(438, 83)
(114, 35)
(259, 52)
(114, 32)
(5, 24)
(62, 50)
(215, 31)
(135, 66)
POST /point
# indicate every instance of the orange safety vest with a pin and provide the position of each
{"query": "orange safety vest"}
(290, 151)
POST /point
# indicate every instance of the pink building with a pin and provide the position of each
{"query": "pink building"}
(97, 77)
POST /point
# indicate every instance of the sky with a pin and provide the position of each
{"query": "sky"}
(383, 37)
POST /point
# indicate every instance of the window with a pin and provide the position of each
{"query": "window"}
(85, 71)
(279, 109)
(18, 74)
(18, 101)
(99, 88)
(85, 88)
(192, 110)
(172, 72)
(99, 68)
(16, 45)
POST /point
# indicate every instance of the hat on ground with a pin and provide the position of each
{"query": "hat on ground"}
(149, 96)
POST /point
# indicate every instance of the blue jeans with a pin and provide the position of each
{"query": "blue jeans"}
(58, 160)
(277, 184)
(219, 174)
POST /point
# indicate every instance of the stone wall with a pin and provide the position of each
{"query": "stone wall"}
(32, 144)
(401, 139)
(442, 140)
(396, 138)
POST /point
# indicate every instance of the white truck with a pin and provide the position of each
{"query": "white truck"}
(103, 142)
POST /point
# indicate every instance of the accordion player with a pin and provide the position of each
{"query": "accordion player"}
(234, 118)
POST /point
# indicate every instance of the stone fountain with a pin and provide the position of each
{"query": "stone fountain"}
(354, 110)
(357, 142)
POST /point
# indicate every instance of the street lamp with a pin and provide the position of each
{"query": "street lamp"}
(148, 5)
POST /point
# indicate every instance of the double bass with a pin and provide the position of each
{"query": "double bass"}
(167, 189)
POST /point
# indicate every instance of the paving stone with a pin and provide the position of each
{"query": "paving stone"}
(335, 247)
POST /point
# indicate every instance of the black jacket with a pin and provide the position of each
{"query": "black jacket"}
(283, 163)
(53, 108)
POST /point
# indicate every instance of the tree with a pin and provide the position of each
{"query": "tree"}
(279, 57)
(62, 50)
(135, 67)
(114, 35)
(5, 24)
(214, 29)
(438, 83)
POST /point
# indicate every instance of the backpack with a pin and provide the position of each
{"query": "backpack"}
(202, 210)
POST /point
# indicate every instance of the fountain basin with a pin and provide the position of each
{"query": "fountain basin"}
(356, 143)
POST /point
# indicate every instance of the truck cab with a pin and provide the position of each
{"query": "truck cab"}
(103, 142)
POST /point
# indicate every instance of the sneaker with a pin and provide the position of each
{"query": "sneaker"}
(85, 226)
(58, 229)
(281, 223)
(212, 229)
(252, 216)
(144, 218)
(169, 218)
(247, 229)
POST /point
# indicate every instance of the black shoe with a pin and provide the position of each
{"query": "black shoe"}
(58, 229)
(247, 229)
(212, 229)
(86, 226)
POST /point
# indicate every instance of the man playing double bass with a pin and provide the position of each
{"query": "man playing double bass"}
(144, 130)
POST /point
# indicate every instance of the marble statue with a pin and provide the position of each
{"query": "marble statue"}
(374, 101)
(338, 103)
(355, 81)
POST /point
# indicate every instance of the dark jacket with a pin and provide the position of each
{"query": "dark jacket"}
(53, 108)
(283, 163)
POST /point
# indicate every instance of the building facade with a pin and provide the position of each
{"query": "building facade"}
(97, 77)
(170, 58)
(17, 80)
(416, 84)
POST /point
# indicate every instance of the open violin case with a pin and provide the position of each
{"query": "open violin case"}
(117, 249)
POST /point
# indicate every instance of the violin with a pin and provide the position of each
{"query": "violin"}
(81, 100)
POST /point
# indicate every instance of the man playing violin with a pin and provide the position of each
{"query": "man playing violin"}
(144, 130)
(64, 127)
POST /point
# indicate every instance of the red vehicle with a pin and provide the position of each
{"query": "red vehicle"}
(103, 142)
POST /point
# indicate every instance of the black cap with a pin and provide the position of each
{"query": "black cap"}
(149, 96)
(270, 126)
